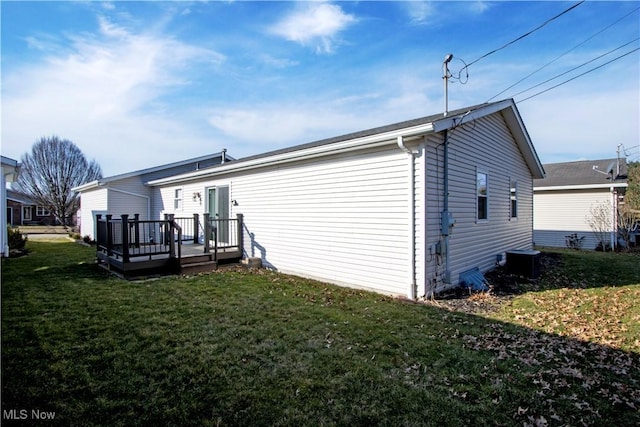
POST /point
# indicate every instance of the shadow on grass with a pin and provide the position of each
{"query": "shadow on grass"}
(269, 349)
(573, 270)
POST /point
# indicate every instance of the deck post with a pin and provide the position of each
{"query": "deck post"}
(125, 237)
(165, 227)
(170, 240)
(196, 227)
(240, 232)
(97, 233)
(136, 230)
(109, 228)
(207, 232)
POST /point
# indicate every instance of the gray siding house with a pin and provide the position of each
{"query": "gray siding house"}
(402, 209)
(564, 198)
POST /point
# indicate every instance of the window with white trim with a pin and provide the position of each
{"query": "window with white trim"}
(177, 199)
(513, 199)
(42, 211)
(482, 208)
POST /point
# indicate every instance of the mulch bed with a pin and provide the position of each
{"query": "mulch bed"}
(503, 288)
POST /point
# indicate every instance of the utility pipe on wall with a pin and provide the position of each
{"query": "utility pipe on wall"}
(445, 217)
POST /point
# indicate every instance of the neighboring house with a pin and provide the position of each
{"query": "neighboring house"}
(393, 209)
(564, 199)
(22, 210)
(129, 192)
(10, 170)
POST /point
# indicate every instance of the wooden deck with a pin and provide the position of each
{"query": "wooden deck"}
(173, 255)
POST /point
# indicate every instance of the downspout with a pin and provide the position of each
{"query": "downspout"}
(411, 242)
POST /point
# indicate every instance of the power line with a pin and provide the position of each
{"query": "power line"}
(565, 53)
(575, 68)
(525, 34)
(579, 75)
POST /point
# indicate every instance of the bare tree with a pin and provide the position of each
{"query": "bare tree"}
(628, 223)
(600, 221)
(53, 168)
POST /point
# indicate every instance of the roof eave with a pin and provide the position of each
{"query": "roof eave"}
(304, 154)
(582, 186)
(514, 122)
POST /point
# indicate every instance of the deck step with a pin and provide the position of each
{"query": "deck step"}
(198, 267)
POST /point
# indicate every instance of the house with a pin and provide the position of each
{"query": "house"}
(22, 210)
(129, 192)
(402, 209)
(563, 200)
(10, 170)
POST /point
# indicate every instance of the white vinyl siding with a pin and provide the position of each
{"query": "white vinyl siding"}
(561, 213)
(127, 196)
(341, 219)
(93, 201)
(487, 146)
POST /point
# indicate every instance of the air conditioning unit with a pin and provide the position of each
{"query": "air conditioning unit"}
(524, 263)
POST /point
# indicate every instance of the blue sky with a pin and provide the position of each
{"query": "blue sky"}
(139, 84)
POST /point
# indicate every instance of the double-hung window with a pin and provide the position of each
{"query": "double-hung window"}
(513, 199)
(177, 199)
(482, 194)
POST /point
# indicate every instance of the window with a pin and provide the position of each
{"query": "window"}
(481, 190)
(177, 199)
(513, 197)
(26, 213)
(41, 211)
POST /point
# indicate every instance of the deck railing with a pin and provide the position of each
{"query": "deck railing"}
(222, 234)
(128, 238)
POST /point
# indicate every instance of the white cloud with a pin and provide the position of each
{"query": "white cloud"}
(420, 11)
(315, 24)
(105, 92)
(277, 62)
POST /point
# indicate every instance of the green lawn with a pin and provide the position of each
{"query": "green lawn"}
(240, 348)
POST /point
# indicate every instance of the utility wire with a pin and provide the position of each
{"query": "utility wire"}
(575, 68)
(579, 75)
(565, 53)
(525, 34)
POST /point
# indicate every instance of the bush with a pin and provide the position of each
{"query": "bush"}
(15, 238)
(88, 240)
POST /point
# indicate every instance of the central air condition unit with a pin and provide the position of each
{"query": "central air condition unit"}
(524, 263)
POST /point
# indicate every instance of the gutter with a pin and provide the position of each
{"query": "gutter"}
(582, 187)
(303, 154)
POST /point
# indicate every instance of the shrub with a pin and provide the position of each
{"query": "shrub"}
(87, 240)
(15, 239)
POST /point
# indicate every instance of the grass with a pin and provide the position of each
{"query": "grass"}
(238, 348)
(593, 297)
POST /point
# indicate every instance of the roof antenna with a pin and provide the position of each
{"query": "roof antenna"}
(445, 76)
